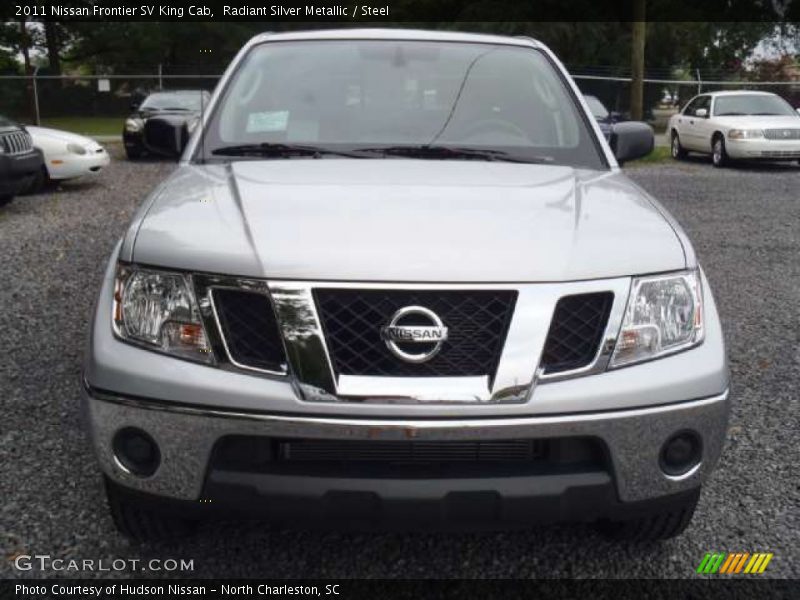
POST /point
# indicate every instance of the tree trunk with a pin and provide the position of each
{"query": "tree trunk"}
(52, 38)
(24, 48)
(637, 60)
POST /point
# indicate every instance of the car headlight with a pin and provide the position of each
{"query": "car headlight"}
(133, 125)
(76, 149)
(745, 134)
(664, 315)
(157, 309)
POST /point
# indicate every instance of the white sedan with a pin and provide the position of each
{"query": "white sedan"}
(66, 155)
(736, 125)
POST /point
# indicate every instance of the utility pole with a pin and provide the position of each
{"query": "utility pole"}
(638, 35)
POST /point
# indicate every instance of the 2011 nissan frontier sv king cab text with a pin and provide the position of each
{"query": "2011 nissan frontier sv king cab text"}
(399, 277)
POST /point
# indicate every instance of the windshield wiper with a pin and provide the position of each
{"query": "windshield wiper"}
(731, 114)
(766, 114)
(281, 151)
(454, 153)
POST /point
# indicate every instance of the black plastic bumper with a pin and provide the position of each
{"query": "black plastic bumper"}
(16, 171)
(386, 504)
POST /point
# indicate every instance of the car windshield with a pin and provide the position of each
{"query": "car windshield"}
(752, 104)
(405, 99)
(596, 107)
(6, 122)
(174, 101)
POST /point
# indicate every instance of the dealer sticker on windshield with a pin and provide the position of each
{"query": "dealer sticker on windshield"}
(275, 120)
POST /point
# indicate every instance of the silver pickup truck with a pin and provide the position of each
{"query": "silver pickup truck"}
(399, 277)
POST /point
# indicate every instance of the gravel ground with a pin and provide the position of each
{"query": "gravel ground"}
(744, 224)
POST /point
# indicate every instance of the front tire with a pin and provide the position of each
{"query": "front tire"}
(143, 524)
(719, 155)
(678, 152)
(657, 525)
(133, 152)
(40, 181)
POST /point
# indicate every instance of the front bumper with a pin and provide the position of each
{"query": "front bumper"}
(763, 149)
(187, 436)
(70, 166)
(16, 171)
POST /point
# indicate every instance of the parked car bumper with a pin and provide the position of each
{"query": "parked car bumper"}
(16, 171)
(70, 166)
(763, 149)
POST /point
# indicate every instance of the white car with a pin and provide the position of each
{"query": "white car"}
(736, 125)
(66, 155)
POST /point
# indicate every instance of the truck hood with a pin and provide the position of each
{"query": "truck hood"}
(404, 220)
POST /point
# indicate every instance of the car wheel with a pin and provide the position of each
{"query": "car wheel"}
(719, 156)
(133, 153)
(657, 525)
(677, 151)
(143, 524)
(5, 199)
(40, 181)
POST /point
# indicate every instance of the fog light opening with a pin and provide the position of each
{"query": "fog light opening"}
(681, 453)
(136, 452)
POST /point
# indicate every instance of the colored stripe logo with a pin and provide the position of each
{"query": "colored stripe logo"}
(731, 563)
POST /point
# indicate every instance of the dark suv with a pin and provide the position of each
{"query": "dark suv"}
(19, 160)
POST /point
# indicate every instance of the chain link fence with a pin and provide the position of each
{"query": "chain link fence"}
(97, 104)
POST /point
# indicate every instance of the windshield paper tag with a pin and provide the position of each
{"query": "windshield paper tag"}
(275, 120)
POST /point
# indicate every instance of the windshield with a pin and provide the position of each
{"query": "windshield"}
(6, 123)
(175, 101)
(506, 101)
(596, 107)
(752, 104)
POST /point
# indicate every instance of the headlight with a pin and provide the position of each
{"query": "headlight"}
(664, 315)
(76, 149)
(157, 309)
(133, 125)
(745, 134)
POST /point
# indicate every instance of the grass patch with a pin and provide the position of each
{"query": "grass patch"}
(86, 125)
(659, 154)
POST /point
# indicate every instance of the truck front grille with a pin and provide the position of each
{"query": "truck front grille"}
(16, 142)
(477, 322)
(576, 331)
(249, 329)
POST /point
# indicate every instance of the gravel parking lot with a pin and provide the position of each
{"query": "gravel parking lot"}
(744, 223)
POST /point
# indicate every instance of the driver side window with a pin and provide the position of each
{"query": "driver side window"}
(701, 102)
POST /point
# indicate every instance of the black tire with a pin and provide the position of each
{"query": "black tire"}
(719, 155)
(657, 525)
(39, 181)
(5, 199)
(133, 153)
(678, 152)
(144, 524)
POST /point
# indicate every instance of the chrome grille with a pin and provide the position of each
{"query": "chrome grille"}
(477, 321)
(782, 134)
(16, 142)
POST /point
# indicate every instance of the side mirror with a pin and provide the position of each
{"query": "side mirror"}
(631, 140)
(798, 110)
(701, 113)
